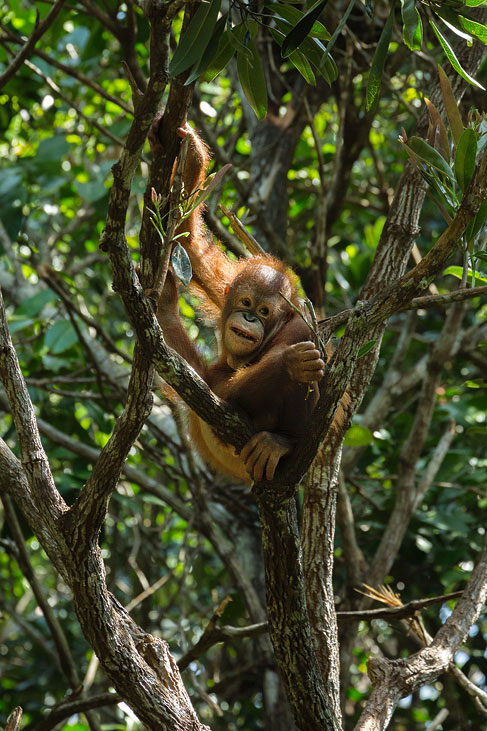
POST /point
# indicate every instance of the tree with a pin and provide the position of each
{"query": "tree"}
(409, 486)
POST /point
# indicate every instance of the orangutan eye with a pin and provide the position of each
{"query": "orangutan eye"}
(246, 302)
(264, 311)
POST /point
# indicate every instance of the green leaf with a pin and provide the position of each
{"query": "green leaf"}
(328, 67)
(475, 3)
(251, 76)
(301, 63)
(465, 158)
(474, 226)
(366, 348)
(412, 29)
(210, 52)
(52, 149)
(450, 54)
(10, 182)
(60, 336)
(429, 155)
(478, 30)
(238, 39)
(293, 16)
(196, 38)
(206, 189)
(377, 68)
(457, 272)
(358, 436)
(34, 305)
(438, 130)
(477, 430)
(475, 383)
(222, 57)
(17, 323)
(336, 33)
(313, 50)
(451, 106)
(302, 29)
(450, 19)
(181, 264)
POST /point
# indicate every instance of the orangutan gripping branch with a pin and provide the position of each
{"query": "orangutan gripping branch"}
(267, 360)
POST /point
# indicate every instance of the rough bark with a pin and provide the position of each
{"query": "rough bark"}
(395, 679)
(288, 621)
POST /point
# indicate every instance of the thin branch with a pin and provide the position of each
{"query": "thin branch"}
(400, 294)
(13, 721)
(458, 295)
(69, 71)
(333, 323)
(28, 48)
(405, 610)
(64, 654)
(68, 708)
(394, 679)
(34, 459)
(89, 120)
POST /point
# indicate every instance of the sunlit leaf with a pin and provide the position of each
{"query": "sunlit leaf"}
(476, 383)
(450, 19)
(457, 272)
(412, 30)
(478, 30)
(450, 54)
(358, 436)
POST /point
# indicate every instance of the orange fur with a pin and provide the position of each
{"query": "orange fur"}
(260, 334)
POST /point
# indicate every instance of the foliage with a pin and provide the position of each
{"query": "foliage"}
(63, 116)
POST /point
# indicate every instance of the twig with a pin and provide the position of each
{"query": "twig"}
(65, 658)
(13, 721)
(55, 88)
(239, 229)
(173, 219)
(405, 610)
(28, 48)
(35, 464)
(445, 299)
(67, 708)
(69, 71)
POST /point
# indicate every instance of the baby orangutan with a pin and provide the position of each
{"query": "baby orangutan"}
(267, 360)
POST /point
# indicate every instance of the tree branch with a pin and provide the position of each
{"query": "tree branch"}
(28, 48)
(42, 490)
(395, 679)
